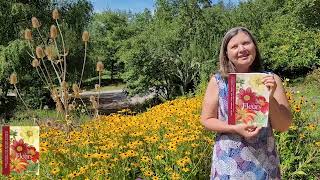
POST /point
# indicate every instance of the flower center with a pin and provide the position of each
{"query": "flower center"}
(19, 148)
(246, 97)
(29, 133)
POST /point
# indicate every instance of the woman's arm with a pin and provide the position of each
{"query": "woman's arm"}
(210, 110)
(209, 115)
(280, 114)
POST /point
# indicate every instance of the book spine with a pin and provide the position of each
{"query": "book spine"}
(232, 99)
(5, 150)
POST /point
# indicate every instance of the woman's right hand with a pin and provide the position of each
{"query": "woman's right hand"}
(247, 131)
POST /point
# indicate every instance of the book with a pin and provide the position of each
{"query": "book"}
(20, 150)
(248, 99)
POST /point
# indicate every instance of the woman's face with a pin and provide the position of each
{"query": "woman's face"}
(241, 51)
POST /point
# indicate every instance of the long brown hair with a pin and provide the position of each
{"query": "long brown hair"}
(226, 66)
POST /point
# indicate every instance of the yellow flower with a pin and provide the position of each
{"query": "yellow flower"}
(185, 169)
(54, 171)
(256, 83)
(159, 157)
(145, 159)
(148, 173)
(175, 176)
(297, 108)
(301, 136)
(311, 127)
(293, 127)
(29, 134)
(155, 178)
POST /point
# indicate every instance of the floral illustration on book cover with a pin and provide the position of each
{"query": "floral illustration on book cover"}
(24, 149)
(251, 99)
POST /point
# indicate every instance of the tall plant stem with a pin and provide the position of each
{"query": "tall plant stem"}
(61, 68)
(98, 100)
(45, 67)
(15, 87)
(84, 62)
(64, 53)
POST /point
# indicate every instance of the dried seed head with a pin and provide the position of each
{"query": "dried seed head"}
(53, 32)
(35, 22)
(71, 107)
(100, 66)
(94, 105)
(55, 95)
(92, 98)
(28, 34)
(59, 107)
(97, 87)
(35, 63)
(49, 53)
(13, 79)
(76, 90)
(85, 36)
(65, 95)
(39, 52)
(64, 85)
(55, 14)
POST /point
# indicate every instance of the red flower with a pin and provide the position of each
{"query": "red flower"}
(32, 154)
(247, 96)
(17, 164)
(263, 103)
(245, 115)
(19, 147)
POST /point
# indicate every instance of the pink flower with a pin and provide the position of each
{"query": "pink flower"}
(263, 103)
(247, 96)
(19, 147)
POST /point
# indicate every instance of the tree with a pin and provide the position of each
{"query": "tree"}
(109, 30)
(16, 17)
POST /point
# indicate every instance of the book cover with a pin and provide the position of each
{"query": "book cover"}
(20, 150)
(248, 99)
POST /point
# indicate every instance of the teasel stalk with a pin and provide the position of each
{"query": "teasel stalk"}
(35, 63)
(49, 53)
(55, 16)
(85, 39)
(40, 54)
(54, 35)
(100, 68)
(36, 24)
(64, 91)
(94, 105)
(65, 96)
(14, 81)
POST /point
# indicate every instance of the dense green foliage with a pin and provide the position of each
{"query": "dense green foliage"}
(175, 48)
(15, 18)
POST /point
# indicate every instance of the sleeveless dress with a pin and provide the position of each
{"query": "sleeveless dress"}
(236, 158)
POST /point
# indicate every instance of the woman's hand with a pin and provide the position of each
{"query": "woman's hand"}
(270, 82)
(247, 131)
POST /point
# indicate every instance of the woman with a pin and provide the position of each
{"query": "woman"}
(243, 151)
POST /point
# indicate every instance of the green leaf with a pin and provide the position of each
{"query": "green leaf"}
(299, 173)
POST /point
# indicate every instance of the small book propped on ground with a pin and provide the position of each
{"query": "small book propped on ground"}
(20, 150)
(248, 99)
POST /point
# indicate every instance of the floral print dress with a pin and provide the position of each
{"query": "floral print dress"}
(236, 158)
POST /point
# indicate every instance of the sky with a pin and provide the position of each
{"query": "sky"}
(134, 5)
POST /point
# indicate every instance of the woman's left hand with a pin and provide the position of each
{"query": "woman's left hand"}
(270, 82)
